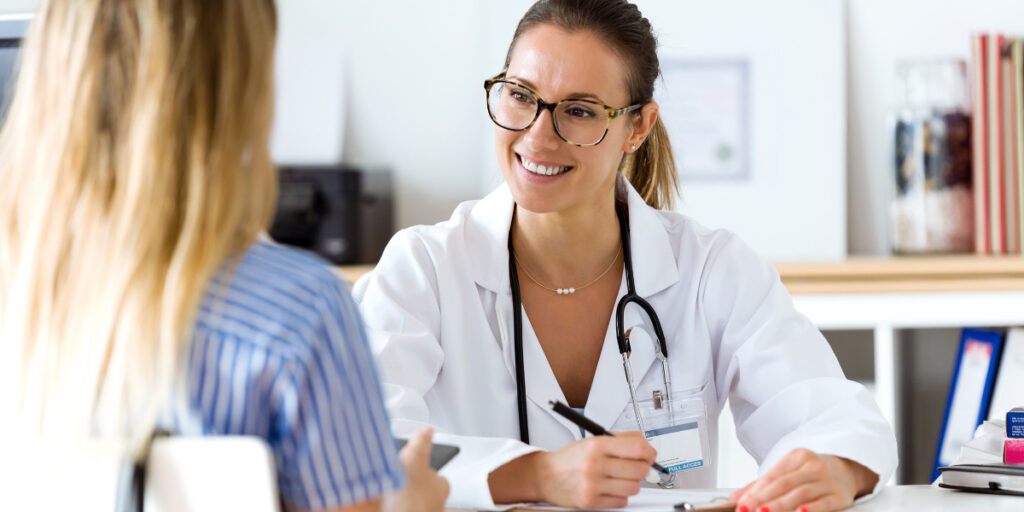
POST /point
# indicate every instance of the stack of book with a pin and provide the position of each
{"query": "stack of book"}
(998, 142)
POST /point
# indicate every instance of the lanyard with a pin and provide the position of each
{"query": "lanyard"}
(622, 337)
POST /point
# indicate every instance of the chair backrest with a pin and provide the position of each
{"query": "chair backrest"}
(211, 473)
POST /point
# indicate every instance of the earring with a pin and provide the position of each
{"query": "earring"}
(633, 147)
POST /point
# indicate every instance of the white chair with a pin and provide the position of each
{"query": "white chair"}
(211, 473)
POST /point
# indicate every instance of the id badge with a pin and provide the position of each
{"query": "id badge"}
(676, 428)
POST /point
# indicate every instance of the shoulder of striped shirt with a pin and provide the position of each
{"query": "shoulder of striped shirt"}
(289, 268)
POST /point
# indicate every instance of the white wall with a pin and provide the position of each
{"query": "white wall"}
(414, 81)
(16, 6)
(881, 32)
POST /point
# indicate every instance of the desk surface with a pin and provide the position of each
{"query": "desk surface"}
(916, 498)
(925, 497)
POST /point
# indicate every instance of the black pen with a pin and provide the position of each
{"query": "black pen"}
(587, 424)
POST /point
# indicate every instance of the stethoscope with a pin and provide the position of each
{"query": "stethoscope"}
(622, 336)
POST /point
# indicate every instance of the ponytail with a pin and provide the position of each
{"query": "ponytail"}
(652, 169)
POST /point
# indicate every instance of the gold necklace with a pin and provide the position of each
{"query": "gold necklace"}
(567, 291)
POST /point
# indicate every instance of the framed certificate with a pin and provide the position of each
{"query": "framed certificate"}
(704, 107)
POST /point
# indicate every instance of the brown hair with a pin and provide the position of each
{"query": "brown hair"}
(652, 169)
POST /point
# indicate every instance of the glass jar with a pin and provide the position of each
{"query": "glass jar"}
(932, 205)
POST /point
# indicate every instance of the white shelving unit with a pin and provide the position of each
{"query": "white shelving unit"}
(889, 297)
(886, 314)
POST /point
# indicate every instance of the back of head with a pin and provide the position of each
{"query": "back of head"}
(623, 28)
(133, 162)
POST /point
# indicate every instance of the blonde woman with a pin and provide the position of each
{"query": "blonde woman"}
(135, 291)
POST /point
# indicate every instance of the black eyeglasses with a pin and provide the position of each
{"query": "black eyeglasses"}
(579, 122)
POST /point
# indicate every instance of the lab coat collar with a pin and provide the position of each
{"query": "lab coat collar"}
(655, 266)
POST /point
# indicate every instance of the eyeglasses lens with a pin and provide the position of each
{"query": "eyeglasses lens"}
(514, 107)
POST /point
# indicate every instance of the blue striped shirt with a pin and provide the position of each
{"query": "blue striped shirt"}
(279, 352)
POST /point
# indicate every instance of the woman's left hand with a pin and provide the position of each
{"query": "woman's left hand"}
(806, 482)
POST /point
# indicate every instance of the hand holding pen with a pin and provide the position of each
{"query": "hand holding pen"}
(587, 424)
(597, 472)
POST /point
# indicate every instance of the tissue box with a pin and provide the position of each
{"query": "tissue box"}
(1015, 423)
(1013, 451)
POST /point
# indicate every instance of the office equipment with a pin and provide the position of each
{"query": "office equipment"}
(986, 478)
(342, 213)
(440, 454)
(588, 425)
(969, 392)
(12, 30)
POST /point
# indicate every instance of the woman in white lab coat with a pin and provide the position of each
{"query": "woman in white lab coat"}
(574, 119)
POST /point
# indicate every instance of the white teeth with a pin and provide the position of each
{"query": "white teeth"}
(536, 168)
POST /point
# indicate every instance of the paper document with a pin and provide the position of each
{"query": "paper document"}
(649, 500)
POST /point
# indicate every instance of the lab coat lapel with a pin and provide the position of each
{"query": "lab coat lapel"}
(487, 232)
(487, 239)
(655, 269)
(655, 264)
(609, 393)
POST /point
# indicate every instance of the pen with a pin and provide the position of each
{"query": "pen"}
(716, 505)
(587, 424)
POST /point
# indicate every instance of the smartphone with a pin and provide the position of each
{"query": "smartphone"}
(440, 454)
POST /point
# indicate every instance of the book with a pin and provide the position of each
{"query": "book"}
(986, 478)
(1008, 389)
(979, 143)
(1010, 197)
(969, 392)
(996, 161)
(1017, 58)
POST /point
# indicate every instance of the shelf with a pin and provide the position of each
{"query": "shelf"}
(965, 273)
(878, 275)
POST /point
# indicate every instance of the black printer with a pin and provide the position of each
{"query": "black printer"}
(342, 213)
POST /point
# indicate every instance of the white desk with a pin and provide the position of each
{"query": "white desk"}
(916, 498)
(925, 497)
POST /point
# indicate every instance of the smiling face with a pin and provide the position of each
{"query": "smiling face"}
(545, 173)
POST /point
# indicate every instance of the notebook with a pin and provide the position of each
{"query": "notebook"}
(986, 478)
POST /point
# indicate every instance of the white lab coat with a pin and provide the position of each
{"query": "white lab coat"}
(438, 311)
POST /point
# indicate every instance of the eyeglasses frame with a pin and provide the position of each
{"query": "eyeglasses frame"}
(550, 107)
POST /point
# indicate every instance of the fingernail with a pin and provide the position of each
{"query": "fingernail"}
(763, 509)
(742, 508)
(801, 509)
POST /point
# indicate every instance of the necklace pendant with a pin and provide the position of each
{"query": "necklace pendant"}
(565, 291)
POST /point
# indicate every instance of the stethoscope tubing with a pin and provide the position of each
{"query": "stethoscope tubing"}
(631, 297)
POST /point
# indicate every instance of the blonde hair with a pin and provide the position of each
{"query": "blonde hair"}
(133, 163)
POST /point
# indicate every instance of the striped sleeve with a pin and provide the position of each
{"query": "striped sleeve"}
(335, 445)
